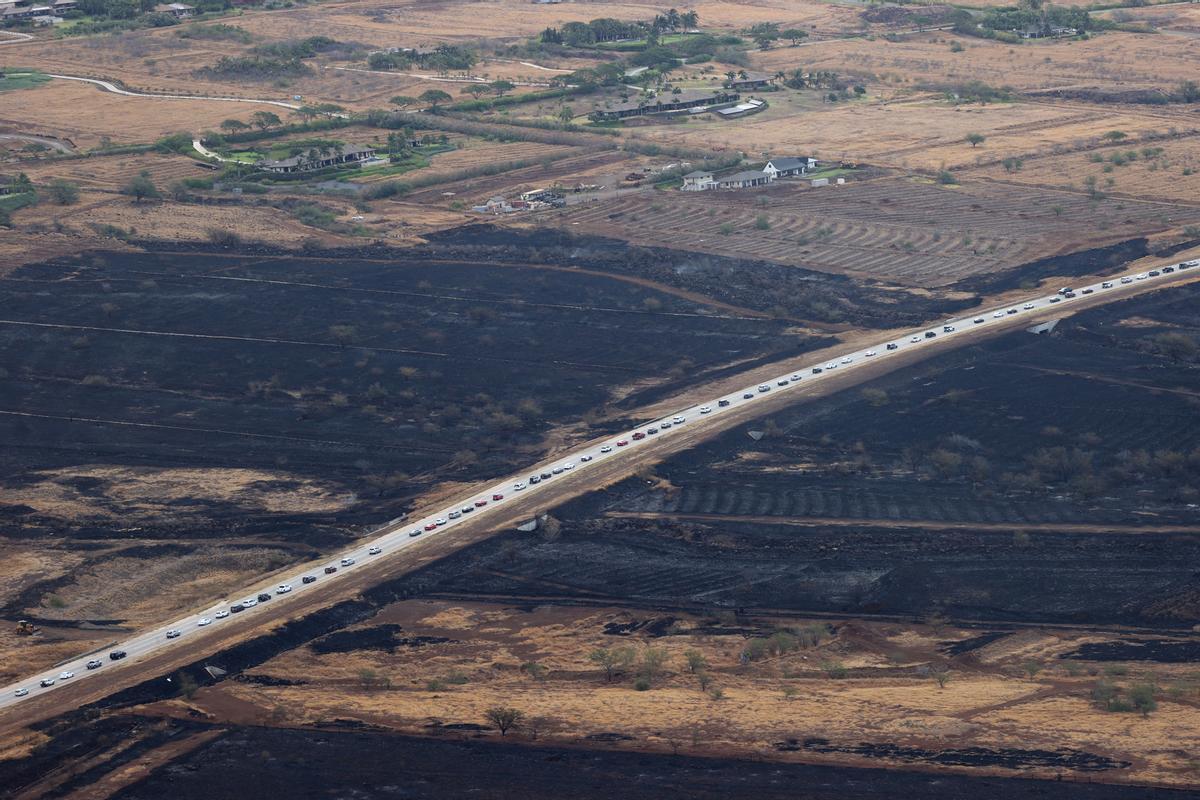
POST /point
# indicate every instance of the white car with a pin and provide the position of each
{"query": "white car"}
(455, 514)
(796, 377)
(869, 353)
(222, 614)
(584, 459)
(251, 603)
(66, 676)
(284, 588)
(1127, 279)
(47, 681)
(1141, 277)
(200, 623)
(847, 360)
(606, 448)
(678, 420)
(20, 692)
(439, 522)
(914, 340)
(174, 633)
(374, 551)
(831, 365)
(998, 314)
(569, 465)
(705, 410)
(763, 387)
(518, 486)
(1028, 306)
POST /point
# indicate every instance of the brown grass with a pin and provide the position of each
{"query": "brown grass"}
(981, 706)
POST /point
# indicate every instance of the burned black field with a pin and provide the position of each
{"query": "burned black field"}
(1032, 479)
(381, 378)
(307, 764)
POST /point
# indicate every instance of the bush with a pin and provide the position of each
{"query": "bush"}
(63, 192)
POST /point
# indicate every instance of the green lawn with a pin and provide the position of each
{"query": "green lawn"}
(21, 79)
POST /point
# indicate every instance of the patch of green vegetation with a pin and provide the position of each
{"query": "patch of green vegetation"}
(21, 79)
(218, 32)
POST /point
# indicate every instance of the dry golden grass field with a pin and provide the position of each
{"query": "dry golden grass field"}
(481, 656)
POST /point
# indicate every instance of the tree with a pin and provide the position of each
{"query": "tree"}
(566, 114)
(504, 718)
(432, 97)
(501, 87)
(1031, 668)
(689, 20)
(64, 192)
(794, 35)
(942, 677)
(696, 662)
(142, 188)
(535, 670)
(233, 126)
(1113, 136)
(653, 659)
(265, 119)
(476, 90)
(1141, 695)
(402, 100)
(611, 660)
(343, 334)
(976, 139)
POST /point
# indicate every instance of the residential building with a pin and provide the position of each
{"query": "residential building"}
(663, 103)
(177, 10)
(307, 162)
(744, 180)
(750, 106)
(698, 181)
(789, 166)
(751, 80)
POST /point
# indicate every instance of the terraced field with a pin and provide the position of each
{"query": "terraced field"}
(110, 173)
(907, 231)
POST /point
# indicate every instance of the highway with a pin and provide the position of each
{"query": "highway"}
(398, 536)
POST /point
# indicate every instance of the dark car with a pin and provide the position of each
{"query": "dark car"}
(893, 346)
(117, 655)
(930, 334)
(330, 570)
(309, 579)
(415, 533)
(817, 370)
(748, 396)
(237, 608)
(722, 403)
(264, 597)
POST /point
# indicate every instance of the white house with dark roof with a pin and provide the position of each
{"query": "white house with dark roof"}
(788, 166)
(698, 181)
(744, 180)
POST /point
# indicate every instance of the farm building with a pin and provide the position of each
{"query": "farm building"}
(751, 80)
(663, 103)
(698, 181)
(306, 162)
(744, 180)
(788, 166)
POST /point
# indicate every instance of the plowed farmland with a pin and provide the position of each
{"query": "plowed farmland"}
(902, 230)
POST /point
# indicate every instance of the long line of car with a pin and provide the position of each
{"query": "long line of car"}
(396, 537)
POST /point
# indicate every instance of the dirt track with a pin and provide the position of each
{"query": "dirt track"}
(576, 484)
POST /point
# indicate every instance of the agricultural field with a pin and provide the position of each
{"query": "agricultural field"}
(908, 231)
(1167, 170)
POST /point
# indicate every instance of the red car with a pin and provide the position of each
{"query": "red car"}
(497, 497)
(480, 503)
(430, 526)
(622, 442)
(639, 435)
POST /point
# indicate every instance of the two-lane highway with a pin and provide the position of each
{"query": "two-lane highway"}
(397, 537)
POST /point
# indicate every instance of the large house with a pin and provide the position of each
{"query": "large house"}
(698, 181)
(750, 80)
(665, 102)
(307, 162)
(701, 181)
(177, 10)
(787, 166)
(744, 180)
